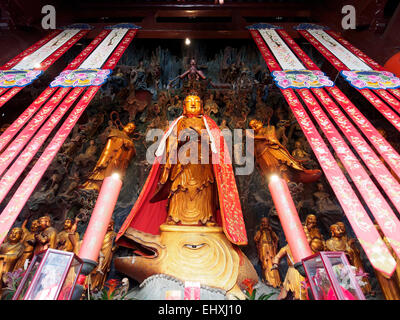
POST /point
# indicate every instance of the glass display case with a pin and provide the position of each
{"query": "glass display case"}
(331, 277)
(51, 275)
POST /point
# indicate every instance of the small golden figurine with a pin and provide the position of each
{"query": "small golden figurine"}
(210, 106)
(299, 152)
(272, 157)
(313, 234)
(293, 279)
(267, 246)
(99, 275)
(10, 252)
(64, 242)
(115, 157)
(47, 236)
(28, 239)
(390, 286)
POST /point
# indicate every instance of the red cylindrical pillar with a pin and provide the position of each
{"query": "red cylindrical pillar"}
(100, 219)
(289, 218)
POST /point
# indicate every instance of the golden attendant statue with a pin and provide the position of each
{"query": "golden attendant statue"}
(28, 239)
(313, 234)
(10, 252)
(272, 157)
(116, 155)
(293, 279)
(99, 275)
(267, 246)
(46, 237)
(64, 242)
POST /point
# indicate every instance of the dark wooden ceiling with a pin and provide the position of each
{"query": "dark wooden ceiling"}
(377, 20)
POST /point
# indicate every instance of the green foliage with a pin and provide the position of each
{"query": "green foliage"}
(252, 295)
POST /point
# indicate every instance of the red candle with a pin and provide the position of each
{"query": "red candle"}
(101, 216)
(289, 218)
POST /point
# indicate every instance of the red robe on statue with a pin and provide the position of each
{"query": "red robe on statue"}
(147, 216)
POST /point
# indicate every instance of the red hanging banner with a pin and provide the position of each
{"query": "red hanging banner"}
(21, 196)
(30, 50)
(384, 148)
(27, 133)
(13, 173)
(340, 66)
(358, 218)
(35, 123)
(45, 64)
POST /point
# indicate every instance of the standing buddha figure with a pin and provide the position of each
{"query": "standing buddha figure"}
(190, 186)
(273, 158)
(64, 242)
(116, 155)
(10, 252)
(267, 246)
(28, 239)
(313, 234)
(47, 236)
(99, 275)
(293, 279)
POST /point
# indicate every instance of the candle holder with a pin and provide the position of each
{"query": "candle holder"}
(51, 275)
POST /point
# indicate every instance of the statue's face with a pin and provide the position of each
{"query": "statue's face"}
(193, 105)
(15, 235)
(297, 144)
(311, 221)
(255, 125)
(264, 223)
(129, 128)
(35, 225)
(44, 222)
(68, 224)
(336, 230)
(341, 227)
(320, 187)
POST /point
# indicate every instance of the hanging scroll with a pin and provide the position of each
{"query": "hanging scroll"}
(359, 219)
(11, 131)
(358, 73)
(381, 210)
(30, 64)
(21, 196)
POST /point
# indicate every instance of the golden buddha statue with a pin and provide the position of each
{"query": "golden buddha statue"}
(313, 234)
(190, 186)
(116, 155)
(10, 252)
(336, 242)
(64, 242)
(47, 236)
(293, 279)
(299, 153)
(267, 246)
(352, 252)
(390, 286)
(28, 239)
(99, 275)
(272, 157)
(188, 213)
